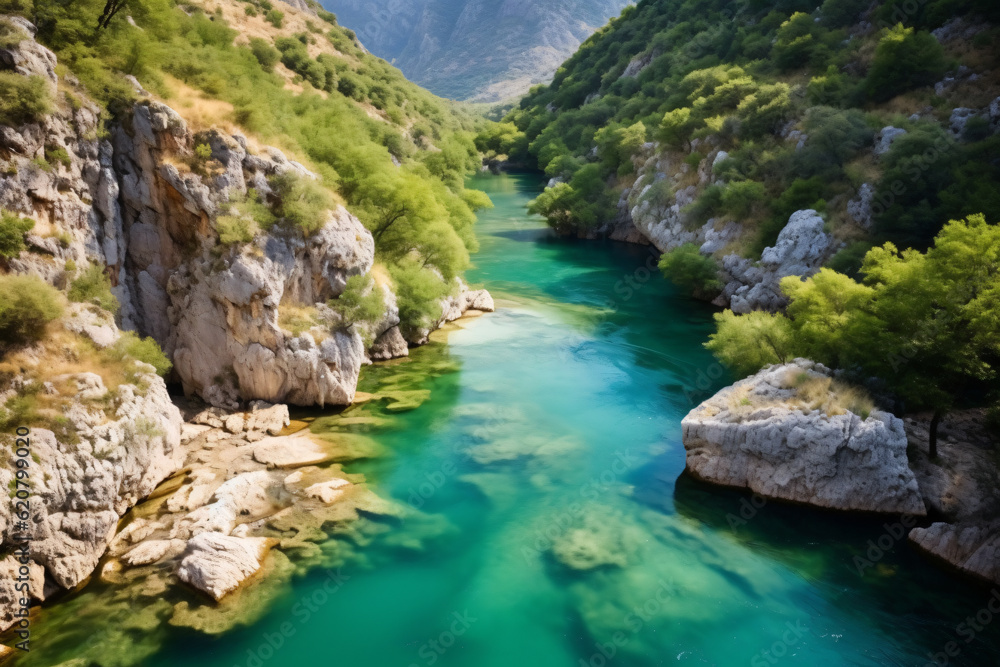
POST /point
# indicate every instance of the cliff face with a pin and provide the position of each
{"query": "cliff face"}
(130, 202)
(474, 49)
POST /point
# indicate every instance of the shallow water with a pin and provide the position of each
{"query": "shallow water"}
(547, 523)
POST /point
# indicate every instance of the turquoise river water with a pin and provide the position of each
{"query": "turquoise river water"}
(550, 523)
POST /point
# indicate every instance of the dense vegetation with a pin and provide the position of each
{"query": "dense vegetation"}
(745, 73)
(795, 92)
(925, 323)
(351, 116)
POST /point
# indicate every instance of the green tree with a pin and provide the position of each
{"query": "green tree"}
(693, 272)
(676, 128)
(747, 343)
(905, 59)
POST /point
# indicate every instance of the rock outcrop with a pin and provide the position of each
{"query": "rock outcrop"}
(783, 434)
(217, 564)
(801, 249)
(114, 448)
(961, 489)
(143, 203)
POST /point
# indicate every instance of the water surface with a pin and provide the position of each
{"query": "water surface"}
(547, 524)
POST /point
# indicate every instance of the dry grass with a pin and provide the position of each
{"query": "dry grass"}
(297, 320)
(832, 397)
(200, 111)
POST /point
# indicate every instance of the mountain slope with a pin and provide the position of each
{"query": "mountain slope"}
(475, 49)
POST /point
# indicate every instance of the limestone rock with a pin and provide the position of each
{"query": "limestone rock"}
(860, 208)
(973, 547)
(152, 551)
(757, 435)
(885, 138)
(800, 250)
(217, 564)
(290, 452)
(390, 345)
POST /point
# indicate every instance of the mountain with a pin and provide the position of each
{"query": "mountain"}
(477, 50)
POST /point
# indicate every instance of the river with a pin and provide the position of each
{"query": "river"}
(548, 520)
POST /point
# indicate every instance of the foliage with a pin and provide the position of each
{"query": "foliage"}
(27, 305)
(747, 343)
(419, 292)
(687, 268)
(23, 98)
(905, 59)
(12, 231)
(302, 202)
(923, 322)
(131, 346)
(266, 55)
(93, 286)
(234, 230)
(361, 302)
(275, 17)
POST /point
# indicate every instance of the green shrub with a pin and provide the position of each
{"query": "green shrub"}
(146, 350)
(235, 229)
(905, 59)
(266, 55)
(741, 198)
(275, 17)
(23, 98)
(10, 34)
(361, 302)
(747, 343)
(58, 154)
(93, 286)
(419, 291)
(693, 272)
(848, 260)
(12, 231)
(27, 305)
(302, 202)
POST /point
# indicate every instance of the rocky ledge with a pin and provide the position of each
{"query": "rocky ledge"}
(786, 433)
(962, 491)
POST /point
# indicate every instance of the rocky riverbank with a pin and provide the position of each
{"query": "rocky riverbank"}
(792, 432)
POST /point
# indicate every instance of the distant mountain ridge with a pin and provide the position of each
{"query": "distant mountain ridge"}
(480, 50)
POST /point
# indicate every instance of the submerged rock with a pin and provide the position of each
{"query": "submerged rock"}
(786, 434)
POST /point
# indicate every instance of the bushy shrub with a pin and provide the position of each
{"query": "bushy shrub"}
(275, 17)
(93, 286)
(146, 350)
(266, 55)
(235, 229)
(362, 302)
(420, 292)
(27, 305)
(23, 98)
(905, 59)
(302, 202)
(848, 260)
(741, 198)
(12, 231)
(747, 343)
(693, 272)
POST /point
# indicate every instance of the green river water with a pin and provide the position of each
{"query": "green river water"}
(550, 525)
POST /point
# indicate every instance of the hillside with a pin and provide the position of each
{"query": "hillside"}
(716, 121)
(474, 49)
(827, 172)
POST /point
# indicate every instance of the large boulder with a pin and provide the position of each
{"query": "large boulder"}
(802, 247)
(217, 564)
(789, 433)
(971, 546)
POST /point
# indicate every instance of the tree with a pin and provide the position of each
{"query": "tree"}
(747, 343)
(687, 268)
(676, 128)
(925, 323)
(111, 7)
(904, 59)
